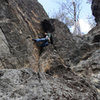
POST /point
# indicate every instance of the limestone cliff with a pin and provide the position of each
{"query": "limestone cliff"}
(18, 19)
(47, 76)
(24, 84)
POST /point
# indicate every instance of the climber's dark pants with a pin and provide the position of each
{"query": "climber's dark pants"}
(44, 42)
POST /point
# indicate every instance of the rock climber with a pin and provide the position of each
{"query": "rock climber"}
(44, 41)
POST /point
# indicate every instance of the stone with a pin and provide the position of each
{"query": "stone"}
(4, 49)
(18, 19)
(89, 64)
(96, 10)
(29, 72)
(24, 84)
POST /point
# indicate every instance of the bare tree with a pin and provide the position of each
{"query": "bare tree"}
(69, 14)
(76, 21)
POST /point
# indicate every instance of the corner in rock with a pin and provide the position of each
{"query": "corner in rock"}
(47, 26)
(96, 38)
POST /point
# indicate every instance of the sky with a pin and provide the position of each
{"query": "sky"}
(52, 6)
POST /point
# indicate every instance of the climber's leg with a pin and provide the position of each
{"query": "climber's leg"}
(45, 43)
(40, 40)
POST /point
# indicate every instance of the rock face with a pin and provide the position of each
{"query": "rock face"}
(89, 65)
(4, 45)
(96, 10)
(18, 19)
(24, 84)
(49, 76)
(61, 52)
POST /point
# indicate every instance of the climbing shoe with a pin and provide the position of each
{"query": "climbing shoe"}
(34, 40)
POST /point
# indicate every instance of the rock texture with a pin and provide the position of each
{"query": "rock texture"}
(61, 52)
(18, 19)
(49, 76)
(96, 10)
(89, 65)
(4, 45)
(24, 84)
